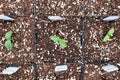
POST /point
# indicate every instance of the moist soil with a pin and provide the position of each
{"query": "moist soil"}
(45, 53)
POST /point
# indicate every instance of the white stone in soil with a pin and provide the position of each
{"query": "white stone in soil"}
(38, 49)
(78, 68)
(18, 0)
(72, 30)
(1, 5)
(24, 43)
(17, 30)
(62, 4)
(29, 30)
(96, 66)
(0, 53)
(23, 30)
(12, 56)
(61, 32)
(93, 0)
(5, 29)
(16, 45)
(86, 71)
(19, 55)
(28, 48)
(3, 38)
(119, 7)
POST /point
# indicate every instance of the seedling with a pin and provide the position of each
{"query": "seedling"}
(59, 40)
(55, 38)
(110, 33)
(62, 43)
(106, 38)
(8, 35)
(8, 43)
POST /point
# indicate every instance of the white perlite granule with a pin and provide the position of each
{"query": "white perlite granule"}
(18, 0)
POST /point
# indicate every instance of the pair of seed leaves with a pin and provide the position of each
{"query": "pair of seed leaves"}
(59, 40)
(8, 43)
(107, 36)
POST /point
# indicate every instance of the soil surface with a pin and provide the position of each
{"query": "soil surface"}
(45, 53)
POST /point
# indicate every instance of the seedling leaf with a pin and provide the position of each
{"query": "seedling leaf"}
(8, 44)
(8, 35)
(110, 32)
(62, 43)
(55, 38)
(106, 38)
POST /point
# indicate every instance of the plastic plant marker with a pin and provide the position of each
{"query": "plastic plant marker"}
(8, 35)
(106, 38)
(61, 68)
(111, 18)
(62, 43)
(55, 38)
(3, 17)
(110, 68)
(55, 18)
(10, 70)
(8, 44)
(111, 31)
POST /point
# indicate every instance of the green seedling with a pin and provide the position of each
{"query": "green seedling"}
(55, 38)
(111, 31)
(62, 43)
(107, 36)
(59, 40)
(8, 44)
(8, 35)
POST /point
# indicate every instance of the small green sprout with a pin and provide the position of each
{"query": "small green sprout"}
(8, 43)
(62, 43)
(110, 33)
(8, 35)
(59, 40)
(55, 38)
(106, 38)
